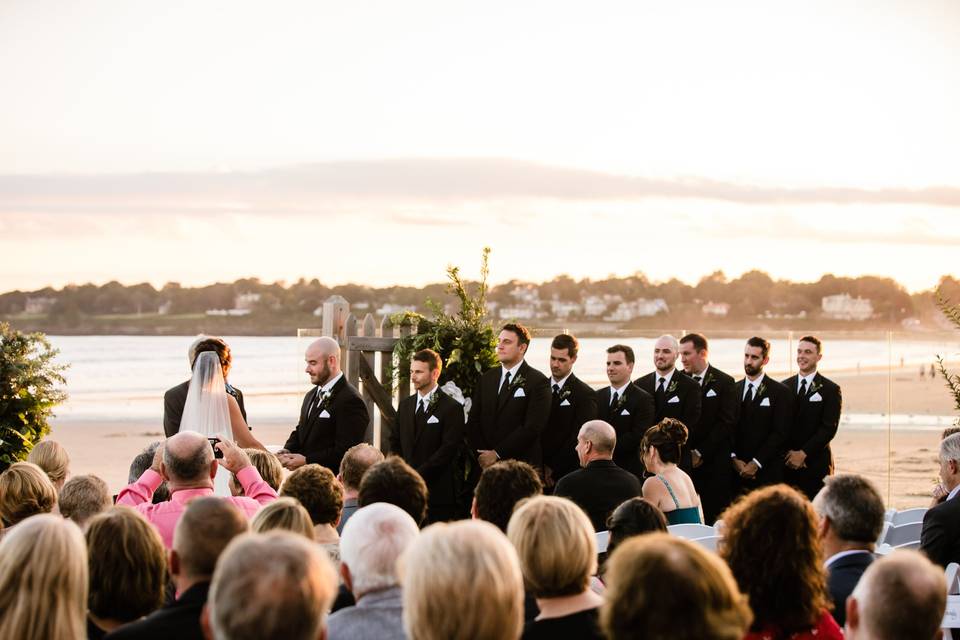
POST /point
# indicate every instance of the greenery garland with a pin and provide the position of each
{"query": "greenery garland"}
(28, 391)
(466, 341)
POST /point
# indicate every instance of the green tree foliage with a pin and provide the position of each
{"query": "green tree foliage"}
(465, 341)
(28, 391)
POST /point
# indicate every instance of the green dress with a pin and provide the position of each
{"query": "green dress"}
(687, 515)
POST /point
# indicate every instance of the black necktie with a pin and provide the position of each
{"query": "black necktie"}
(421, 408)
(556, 389)
(696, 379)
(504, 387)
(614, 398)
(748, 396)
(803, 387)
(660, 387)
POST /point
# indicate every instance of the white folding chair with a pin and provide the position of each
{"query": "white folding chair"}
(603, 539)
(708, 542)
(883, 532)
(898, 535)
(691, 531)
(888, 515)
(951, 616)
(907, 516)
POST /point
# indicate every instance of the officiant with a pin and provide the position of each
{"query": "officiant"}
(174, 398)
(333, 416)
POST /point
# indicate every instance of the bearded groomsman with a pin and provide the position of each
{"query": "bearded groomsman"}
(675, 395)
(510, 405)
(428, 434)
(707, 451)
(572, 404)
(817, 402)
(626, 407)
(766, 412)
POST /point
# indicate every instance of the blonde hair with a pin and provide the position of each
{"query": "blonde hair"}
(25, 490)
(462, 581)
(43, 580)
(51, 456)
(283, 513)
(267, 465)
(556, 544)
(660, 586)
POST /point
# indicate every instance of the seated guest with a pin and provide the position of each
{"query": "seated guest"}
(600, 485)
(372, 542)
(770, 543)
(557, 548)
(275, 586)
(25, 490)
(267, 466)
(395, 482)
(43, 580)
(127, 570)
(187, 464)
(141, 463)
(939, 492)
(634, 517)
(203, 532)
(851, 519)
(316, 488)
(670, 488)
(286, 514)
(902, 595)
(50, 456)
(462, 581)
(355, 463)
(83, 497)
(502, 485)
(661, 586)
(940, 536)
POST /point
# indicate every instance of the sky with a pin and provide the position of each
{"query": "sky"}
(378, 142)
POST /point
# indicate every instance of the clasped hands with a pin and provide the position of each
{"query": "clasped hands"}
(289, 460)
(746, 470)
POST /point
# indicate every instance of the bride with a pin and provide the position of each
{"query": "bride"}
(214, 413)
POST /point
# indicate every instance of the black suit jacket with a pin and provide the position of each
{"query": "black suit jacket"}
(842, 576)
(599, 488)
(511, 427)
(430, 443)
(940, 536)
(762, 427)
(685, 397)
(176, 397)
(575, 404)
(180, 620)
(323, 439)
(712, 434)
(815, 423)
(640, 414)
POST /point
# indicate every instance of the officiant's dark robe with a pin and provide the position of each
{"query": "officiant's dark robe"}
(176, 397)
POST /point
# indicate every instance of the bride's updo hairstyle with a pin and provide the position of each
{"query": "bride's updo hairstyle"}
(666, 437)
(216, 345)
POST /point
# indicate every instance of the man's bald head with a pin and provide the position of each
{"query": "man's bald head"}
(665, 352)
(902, 595)
(323, 360)
(324, 347)
(187, 457)
(355, 463)
(596, 440)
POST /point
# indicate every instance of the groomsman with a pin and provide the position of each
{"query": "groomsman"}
(428, 434)
(766, 412)
(675, 395)
(707, 451)
(573, 403)
(510, 405)
(626, 407)
(333, 416)
(817, 402)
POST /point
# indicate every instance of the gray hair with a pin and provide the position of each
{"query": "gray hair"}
(373, 539)
(854, 507)
(600, 434)
(950, 448)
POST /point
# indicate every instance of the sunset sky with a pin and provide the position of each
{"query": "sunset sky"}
(377, 142)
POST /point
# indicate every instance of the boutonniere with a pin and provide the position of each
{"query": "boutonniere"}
(710, 378)
(432, 402)
(620, 402)
(761, 389)
(324, 400)
(673, 386)
(565, 393)
(816, 386)
(517, 382)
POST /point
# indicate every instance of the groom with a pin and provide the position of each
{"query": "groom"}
(176, 397)
(333, 417)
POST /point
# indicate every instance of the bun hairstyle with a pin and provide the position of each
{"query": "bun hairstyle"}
(667, 437)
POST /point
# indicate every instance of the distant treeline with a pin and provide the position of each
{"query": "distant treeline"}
(113, 306)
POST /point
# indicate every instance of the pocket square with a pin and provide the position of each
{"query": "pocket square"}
(816, 397)
(711, 393)
(624, 413)
(673, 400)
(432, 420)
(519, 393)
(565, 403)
(765, 402)
(324, 414)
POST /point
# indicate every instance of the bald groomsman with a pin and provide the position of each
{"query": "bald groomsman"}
(626, 407)
(675, 395)
(817, 402)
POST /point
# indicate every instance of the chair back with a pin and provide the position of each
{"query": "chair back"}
(907, 516)
(691, 531)
(901, 534)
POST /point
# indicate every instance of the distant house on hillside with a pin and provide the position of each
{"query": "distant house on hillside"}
(246, 301)
(719, 309)
(564, 309)
(642, 308)
(843, 306)
(594, 306)
(38, 305)
(518, 312)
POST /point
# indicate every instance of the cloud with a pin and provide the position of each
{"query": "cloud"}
(437, 180)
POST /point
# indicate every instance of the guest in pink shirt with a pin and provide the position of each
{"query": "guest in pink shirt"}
(187, 464)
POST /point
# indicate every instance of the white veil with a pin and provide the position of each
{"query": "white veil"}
(206, 410)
